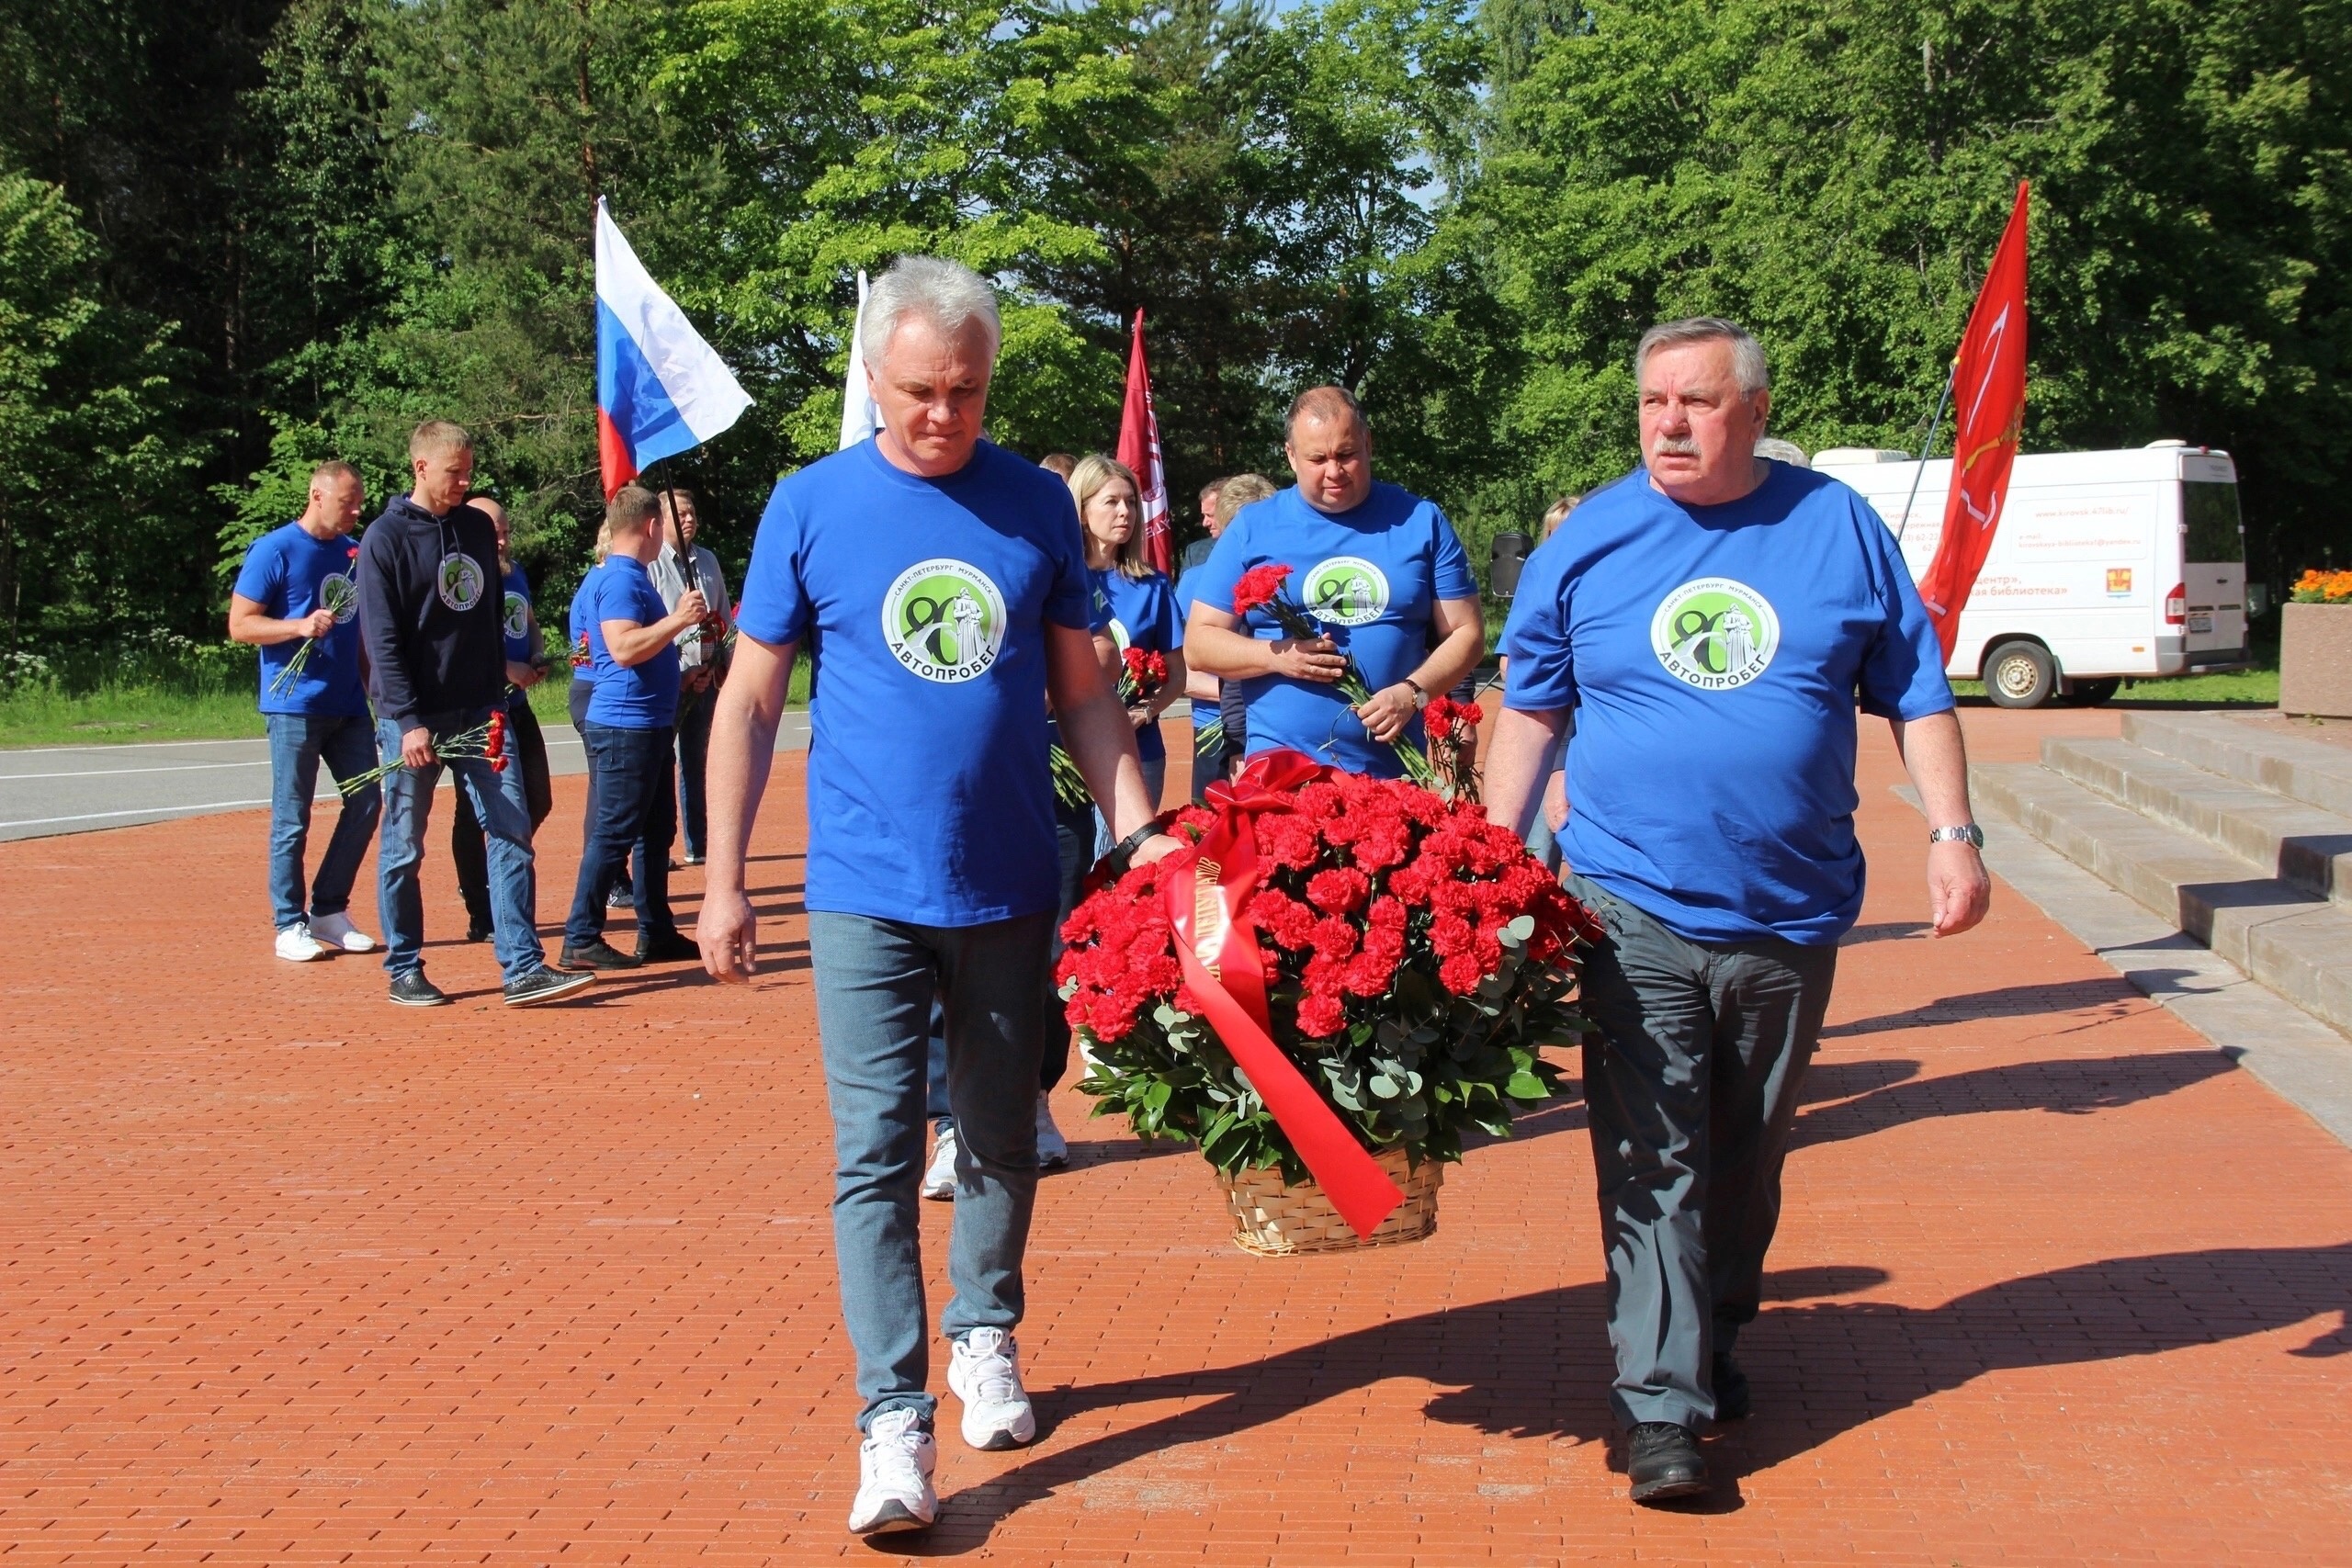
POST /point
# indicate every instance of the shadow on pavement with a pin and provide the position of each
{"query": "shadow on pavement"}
(2066, 1088)
(2110, 992)
(1537, 1366)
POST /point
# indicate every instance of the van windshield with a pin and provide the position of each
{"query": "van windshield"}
(2211, 513)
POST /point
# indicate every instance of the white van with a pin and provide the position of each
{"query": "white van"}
(2104, 565)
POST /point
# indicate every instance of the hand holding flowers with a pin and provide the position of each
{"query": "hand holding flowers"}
(486, 740)
(1308, 655)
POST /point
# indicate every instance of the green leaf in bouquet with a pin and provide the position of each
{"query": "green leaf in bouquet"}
(1383, 1086)
(1520, 930)
(1527, 1086)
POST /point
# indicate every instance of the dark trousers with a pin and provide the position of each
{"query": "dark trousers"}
(528, 748)
(582, 688)
(694, 745)
(630, 803)
(1692, 1090)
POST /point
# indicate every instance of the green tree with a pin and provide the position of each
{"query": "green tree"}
(90, 463)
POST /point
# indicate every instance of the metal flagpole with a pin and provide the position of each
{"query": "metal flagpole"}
(1934, 423)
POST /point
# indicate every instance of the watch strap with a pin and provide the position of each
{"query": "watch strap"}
(1968, 831)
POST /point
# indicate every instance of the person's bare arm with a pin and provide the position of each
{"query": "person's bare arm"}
(1516, 759)
(735, 774)
(631, 644)
(249, 623)
(1462, 636)
(1098, 736)
(1959, 890)
(1214, 642)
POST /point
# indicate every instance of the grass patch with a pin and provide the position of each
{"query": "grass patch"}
(2236, 688)
(201, 706)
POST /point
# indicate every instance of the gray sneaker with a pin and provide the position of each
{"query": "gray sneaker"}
(545, 984)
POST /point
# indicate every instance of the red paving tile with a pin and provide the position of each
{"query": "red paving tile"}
(290, 1276)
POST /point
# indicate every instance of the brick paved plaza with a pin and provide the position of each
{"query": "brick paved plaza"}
(292, 1276)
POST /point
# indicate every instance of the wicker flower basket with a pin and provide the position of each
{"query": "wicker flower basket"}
(1271, 1218)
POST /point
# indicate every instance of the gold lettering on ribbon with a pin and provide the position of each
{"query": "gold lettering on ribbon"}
(1208, 915)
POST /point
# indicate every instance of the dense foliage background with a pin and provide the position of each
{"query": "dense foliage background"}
(240, 235)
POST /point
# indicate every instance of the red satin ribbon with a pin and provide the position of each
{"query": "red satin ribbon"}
(1216, 942)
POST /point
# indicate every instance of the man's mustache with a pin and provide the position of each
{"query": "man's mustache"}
(1674, 446)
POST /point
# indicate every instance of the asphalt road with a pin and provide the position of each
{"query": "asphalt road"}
(50, 790)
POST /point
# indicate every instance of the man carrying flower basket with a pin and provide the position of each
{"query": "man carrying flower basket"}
(1709, 621)
(436, 668)
(1341, 605)
(945, 580)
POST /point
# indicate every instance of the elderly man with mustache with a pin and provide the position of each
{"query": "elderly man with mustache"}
(1710, 620)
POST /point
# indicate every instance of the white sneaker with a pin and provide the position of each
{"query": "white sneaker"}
(939, 1179)
(984, 1372)
(1052, 1149)
(336, 931)
(295, 946)
(893, 1467)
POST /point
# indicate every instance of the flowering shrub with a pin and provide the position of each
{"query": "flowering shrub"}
(1416, 959)
(2323, 588)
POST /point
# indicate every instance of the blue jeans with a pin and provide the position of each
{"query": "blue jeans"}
(876, 983)
(298, 743)
(630, 805)
(498, 800)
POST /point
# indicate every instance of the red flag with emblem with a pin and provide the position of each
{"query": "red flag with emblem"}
(1139, 450)
(1988, 391)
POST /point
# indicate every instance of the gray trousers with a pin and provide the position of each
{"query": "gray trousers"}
(875, 982)
(1692, 1089)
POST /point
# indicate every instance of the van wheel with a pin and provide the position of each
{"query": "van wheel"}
(2021, 675)
(2090, 694)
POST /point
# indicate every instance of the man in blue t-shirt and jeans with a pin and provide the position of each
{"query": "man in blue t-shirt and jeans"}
(296, 597)
(944, 581)
(631, 724)
(1710, 621)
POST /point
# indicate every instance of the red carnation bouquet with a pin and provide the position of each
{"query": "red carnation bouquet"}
(486, 740)
(334, 594)
(1141, 675)
(1262, 588)
(1340, 965)
(1453, 731)
(582, 655)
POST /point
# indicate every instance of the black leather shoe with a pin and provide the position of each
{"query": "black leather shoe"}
(413, 990)
(1663, 1463)
(476, 931)
(669, 948)
(598, 955)
(544, 985)
(1732, 1402)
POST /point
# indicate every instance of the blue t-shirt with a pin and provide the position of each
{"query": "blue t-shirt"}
(289, 574)
(929, 797)
(517, 610)
(1713, 656)
(1373, 577)
(636, 697)
(576, 626)
(1143, 615)
(1188, 588)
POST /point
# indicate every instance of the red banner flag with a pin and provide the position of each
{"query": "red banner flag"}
(1988, 393)
(1139, 450)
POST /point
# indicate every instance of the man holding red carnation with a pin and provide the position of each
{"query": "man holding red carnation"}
(1710, 620)
(1379, 571)
(944, 579)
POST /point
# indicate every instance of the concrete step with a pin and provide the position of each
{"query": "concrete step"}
(2310, 770)
(2302, 846)
(2297, 946)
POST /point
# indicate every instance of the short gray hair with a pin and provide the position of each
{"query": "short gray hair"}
(1747, 353)
(947, 294)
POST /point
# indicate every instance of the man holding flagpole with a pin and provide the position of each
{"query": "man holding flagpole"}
(946, 581)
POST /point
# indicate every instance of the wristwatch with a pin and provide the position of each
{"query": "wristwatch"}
(1420, 698)
(1968, 830)
(1123, 853)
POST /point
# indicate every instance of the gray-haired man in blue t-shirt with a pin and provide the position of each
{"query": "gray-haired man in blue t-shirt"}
(1710, 620)
(944, 580)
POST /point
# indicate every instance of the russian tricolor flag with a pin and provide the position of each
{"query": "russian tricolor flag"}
(661, 390)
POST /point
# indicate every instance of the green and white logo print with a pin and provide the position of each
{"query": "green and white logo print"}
(944, 620)
(1714, 634)
(340, 596)
(1346, 590)
(518, 616)
(458, 581)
